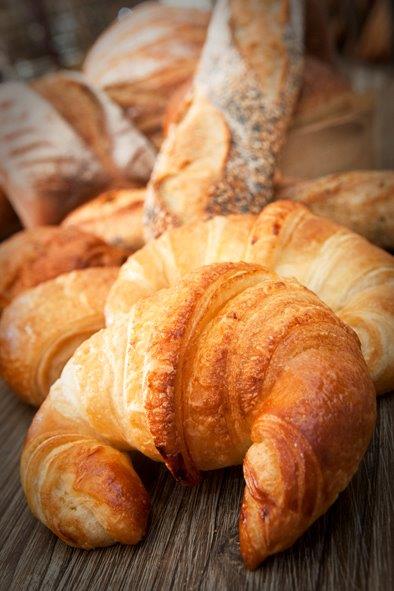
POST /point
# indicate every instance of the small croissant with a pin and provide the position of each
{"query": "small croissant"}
(233, 365)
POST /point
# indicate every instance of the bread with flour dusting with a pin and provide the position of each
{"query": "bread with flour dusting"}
(142, 58)
(63, 141)
(221, 156)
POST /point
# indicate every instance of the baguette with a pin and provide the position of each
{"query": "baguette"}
(328, 112)
(221, 156)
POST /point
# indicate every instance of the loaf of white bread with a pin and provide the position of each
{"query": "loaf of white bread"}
(141, 59)
(62, 141)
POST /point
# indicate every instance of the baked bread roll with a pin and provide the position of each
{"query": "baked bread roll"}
(360, 200)
(220, 158)
(142, 58)
(33, 256)
(114, 216)
(63, 141)
(232, 365)
(354, 278)
(42, 327)
(328, 112)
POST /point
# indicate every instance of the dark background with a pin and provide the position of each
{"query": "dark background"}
(37, 36)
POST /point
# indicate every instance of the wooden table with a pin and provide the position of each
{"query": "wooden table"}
(193, 538)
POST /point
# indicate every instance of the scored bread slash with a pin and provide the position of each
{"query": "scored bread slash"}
(62, 142)
(221, 156)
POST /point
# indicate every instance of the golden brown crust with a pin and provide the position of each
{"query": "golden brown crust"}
(41, 328)
(363, 201)
(141, 60)
(221, 156)
(91, 494)
(350, 275)
(114, 216)
(33, 256)
(233, 360)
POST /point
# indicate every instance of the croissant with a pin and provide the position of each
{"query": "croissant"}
(33, 256)
(114, 216)
(360, 200)
(63, 141)
(221, 156)
(354, 278)
(232, 365)
(42, 327)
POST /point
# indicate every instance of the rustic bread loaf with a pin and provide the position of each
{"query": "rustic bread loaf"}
(220, 157)
(363, 201)
(142, 58)
(63, 141)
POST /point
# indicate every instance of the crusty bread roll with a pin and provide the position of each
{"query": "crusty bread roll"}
(360, 200)
(142, 58)
(33, 256)
(41, 328)
(221, 155)
(114, 216)
(328, 113)
(353, 277)
(232, 365)
(63, 141)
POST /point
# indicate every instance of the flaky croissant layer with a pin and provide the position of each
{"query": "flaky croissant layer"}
(233, 364)
(350, 275)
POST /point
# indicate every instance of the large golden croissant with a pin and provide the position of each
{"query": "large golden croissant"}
(354, 278)
(232, 365)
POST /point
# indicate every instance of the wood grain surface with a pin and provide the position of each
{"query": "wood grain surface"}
(192, 541)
